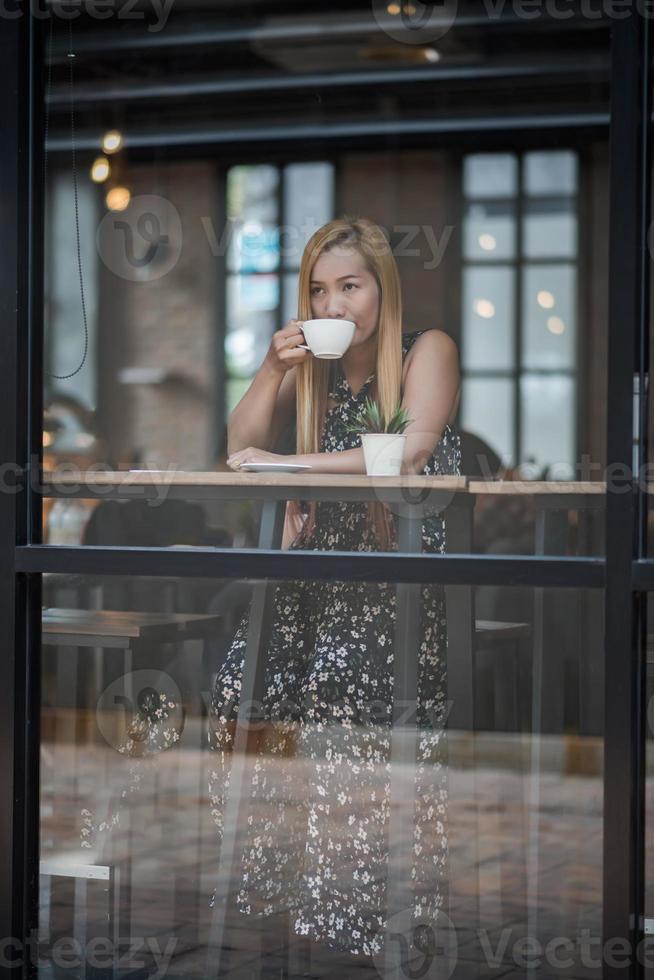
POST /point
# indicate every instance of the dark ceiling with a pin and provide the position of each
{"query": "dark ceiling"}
(298, 73)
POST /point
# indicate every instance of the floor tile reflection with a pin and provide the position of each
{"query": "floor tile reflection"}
(525, 863)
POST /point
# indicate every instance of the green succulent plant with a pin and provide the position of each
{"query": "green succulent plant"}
(369, 419)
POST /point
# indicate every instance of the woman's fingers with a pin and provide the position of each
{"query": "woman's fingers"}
(291, 328)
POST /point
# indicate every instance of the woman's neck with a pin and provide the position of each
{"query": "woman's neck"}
(359, 362)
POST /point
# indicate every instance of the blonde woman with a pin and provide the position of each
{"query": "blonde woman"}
(316, 844)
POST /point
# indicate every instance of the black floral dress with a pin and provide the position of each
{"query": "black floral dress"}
(317, 835)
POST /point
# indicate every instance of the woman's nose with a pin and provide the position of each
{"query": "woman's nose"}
(335, 309)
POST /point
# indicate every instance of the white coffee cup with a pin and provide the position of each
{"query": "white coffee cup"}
(327, 338)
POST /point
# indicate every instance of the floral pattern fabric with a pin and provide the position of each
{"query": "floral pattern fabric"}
(317, 833)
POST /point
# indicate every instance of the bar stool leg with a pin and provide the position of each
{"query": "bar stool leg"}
(403, 758)
(243, 749)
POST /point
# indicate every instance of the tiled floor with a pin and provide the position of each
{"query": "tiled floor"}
(525, 862)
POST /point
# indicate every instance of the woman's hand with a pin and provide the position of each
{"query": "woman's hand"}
(284, 353)
(252, 455)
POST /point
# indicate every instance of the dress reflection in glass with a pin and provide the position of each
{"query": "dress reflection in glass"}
(317, 834)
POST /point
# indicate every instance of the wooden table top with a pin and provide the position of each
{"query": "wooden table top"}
(190, 478)
(534, 487)
(121, 623)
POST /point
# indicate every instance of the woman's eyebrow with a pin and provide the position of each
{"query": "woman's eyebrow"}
(350, 275)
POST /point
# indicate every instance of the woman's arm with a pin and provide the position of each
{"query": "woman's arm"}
(265, 407)
(342, 461)
(431, 392)
(345, 461)
(263, 410)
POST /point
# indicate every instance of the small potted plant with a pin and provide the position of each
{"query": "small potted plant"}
(383, 446)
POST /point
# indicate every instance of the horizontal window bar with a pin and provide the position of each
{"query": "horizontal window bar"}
(94, 95)
(326, 131)
(371, 566)
(340, 26)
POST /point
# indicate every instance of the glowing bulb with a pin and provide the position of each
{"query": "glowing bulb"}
(545, 299)
(112, 141)
(393, 8)
(484, 307)
(487, 242)
(100, 170)
(555, 325)
(118, 198)
(431, 54)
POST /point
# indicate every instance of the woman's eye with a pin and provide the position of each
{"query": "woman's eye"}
(350, 284)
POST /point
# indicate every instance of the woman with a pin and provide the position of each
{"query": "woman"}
(330, 657)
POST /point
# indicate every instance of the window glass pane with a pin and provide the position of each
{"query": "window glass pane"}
(548, 436)
(289, 297)
(488, 317)
(549, 228)
(489, 231)
(550, 172)
(252, 193)
(487, 411)
(253, 247)
(251, 321)
(254, 126)
(490, 175)
(152, 824)
(252, 208)
(549, 316)
(246, 345)
(247, 294)
(308, 204)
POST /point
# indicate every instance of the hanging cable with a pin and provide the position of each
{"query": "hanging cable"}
(71, 59)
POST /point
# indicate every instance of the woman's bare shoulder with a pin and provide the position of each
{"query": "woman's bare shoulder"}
(436, 339)
(431, 344)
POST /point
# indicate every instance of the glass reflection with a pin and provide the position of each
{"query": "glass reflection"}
(141, 786)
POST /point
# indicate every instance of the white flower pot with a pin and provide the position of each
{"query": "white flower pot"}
(383, 452)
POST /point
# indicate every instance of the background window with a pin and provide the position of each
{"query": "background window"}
(272, 211)
(519, 306)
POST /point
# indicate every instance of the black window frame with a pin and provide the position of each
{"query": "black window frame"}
(626, 574)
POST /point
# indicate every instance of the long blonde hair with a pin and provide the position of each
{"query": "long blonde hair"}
(312, 376)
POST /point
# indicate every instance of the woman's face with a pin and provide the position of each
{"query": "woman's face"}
(341, 288)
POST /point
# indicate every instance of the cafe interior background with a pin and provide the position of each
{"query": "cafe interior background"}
(481, 148)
